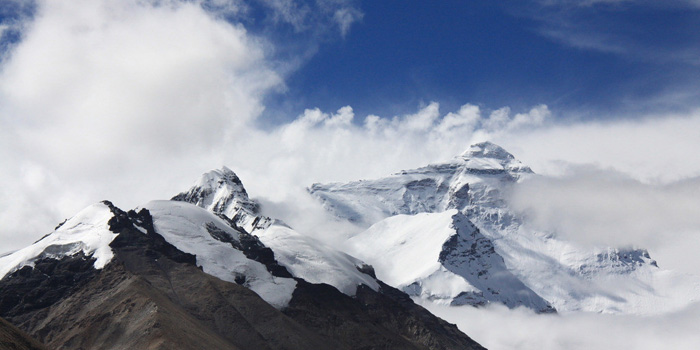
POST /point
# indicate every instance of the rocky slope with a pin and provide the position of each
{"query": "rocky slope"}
(12, 338)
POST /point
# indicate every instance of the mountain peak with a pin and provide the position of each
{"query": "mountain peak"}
(221, 191)
(488, 157)
(486, 150)
(219, 178)
(217, 190)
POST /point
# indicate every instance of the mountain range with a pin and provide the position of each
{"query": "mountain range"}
(172, 274)
(446, 233)
(208, 270)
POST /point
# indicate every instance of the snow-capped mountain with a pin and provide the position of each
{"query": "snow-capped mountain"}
(452, 224)
(185, 274)
(221, 192)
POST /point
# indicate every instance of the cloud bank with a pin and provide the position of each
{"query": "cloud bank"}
(497, 327)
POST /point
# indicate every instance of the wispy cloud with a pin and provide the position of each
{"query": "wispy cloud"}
(315, 16)
(634, 29)
(345, 17)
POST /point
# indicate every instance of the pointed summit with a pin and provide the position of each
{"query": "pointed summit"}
(486, 150)
(218, 190)
(487, 157)
(221, 191)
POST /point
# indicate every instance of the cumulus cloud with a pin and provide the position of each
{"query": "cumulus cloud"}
(132, 100)
(321, 147)
(119, 91)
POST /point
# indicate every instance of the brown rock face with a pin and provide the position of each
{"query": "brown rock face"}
(11, 338)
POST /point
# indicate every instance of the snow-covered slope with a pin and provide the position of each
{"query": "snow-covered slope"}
(475, 184)
(221, 192)
(444, 258)
(218, 248)
(87, 232)
(315, 261)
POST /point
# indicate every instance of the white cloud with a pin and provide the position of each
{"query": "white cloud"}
(289, 11)
(315, 16)
(605, 208)
(497, 327)
(621, 183)
(500, 120)
(130, 101)
(100, 95)
(653, 149)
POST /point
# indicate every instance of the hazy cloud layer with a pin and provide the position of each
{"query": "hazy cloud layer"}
(497, 327)
(607, 208)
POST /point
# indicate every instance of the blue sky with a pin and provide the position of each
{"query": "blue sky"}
(594, 59)
(605, 59)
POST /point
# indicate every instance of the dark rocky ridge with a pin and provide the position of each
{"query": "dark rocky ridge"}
(371, 320)
(32, 289)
